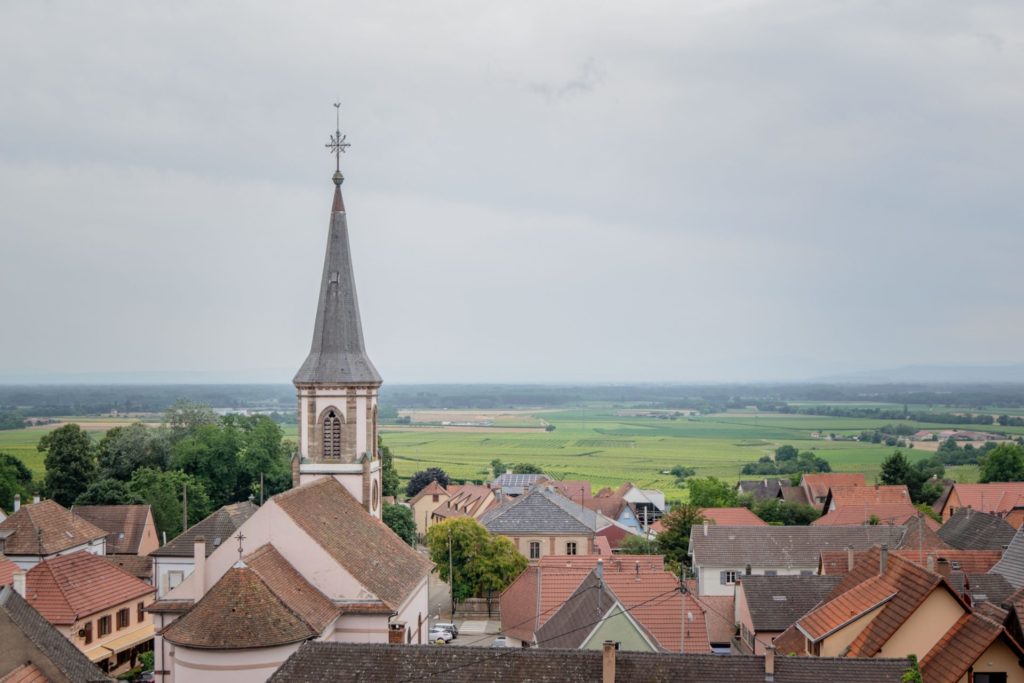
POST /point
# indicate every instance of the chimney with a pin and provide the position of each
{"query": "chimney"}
(705, 528)
(199, 568)
(35, 499)
(931, 562)
(396, 633)
(944, 567)
(849, 558)
(17, 502)
(600, 569)
(883, 559)
(769, 663)
(18, 583)
(608, 662)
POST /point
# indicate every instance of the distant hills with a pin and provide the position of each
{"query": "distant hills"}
(934, 374)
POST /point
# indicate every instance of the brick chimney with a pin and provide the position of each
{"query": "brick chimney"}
(883, 559)
(849, 558)
(396, 633)
(199, 568)
(608, 661)
(769, 664)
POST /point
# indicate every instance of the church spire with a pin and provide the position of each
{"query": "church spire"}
(337, 354)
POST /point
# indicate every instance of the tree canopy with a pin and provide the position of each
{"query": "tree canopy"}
(70, 463)
(1005, 462)
(419, 480)
(164, 491)
(480, 563)
(399, 519)
(923, 479)
(15, 478)
(389, 482)
(779, 512)
(674, 541)
(712, 492)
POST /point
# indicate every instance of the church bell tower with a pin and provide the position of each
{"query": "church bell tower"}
(338, 385)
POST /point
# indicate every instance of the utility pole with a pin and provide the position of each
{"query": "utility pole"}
(261, 489)
(451, 576)
(184, 507)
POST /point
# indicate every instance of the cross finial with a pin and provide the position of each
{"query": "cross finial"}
(337, 145)
(240, 537)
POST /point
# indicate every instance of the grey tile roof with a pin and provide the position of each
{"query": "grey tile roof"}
(777, 602)
(540, 512)
(321, 662)
(993, 588)
(567, 628)
(517, 484)
(761, 489)
(782, 546)
(56, 647)
(1011, 565)
(337, 354)
(969, 529)
(216, 529)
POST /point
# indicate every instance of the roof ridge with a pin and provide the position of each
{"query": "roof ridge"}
(45, 564)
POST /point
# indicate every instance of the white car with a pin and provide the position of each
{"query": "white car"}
(439, 635)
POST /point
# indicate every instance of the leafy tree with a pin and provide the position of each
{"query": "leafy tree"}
(105, 492)
(163, 491)
(549, 428)
(913, 672)
(680, 472)
(123, 450)
(1003, 463)
(896, 470)
(210, 454)
(419, 480)
(480, 563)
(785, 513)
(389, 482)
(712, 492)
(399, 519)
(262, 452)
(636, 544)
(497, 467)
(70, 463)
(497, 567)
(526, 468)
(15, 478)
(786, 452)
(674, 541)
(185, 417)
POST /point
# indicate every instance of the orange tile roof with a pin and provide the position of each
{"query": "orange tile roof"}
(68, 587)
(470, 499)
(993, 497)
(573, 489)
(602, 547)
(732, 517)
(719, 615)
(433, 488)
(835, 563)
(7, 569)
(47, 526)
(301, 597)
(961, 646)
(844, 495)
(847, 607)
(819, 484)
(125, 525)
(897, 514)
(26, 673)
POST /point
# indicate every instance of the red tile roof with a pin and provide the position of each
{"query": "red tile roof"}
(26, 673)
(7, 569)
(969, 561)
(69, 587)
(301, 597)
(819, 484)
(48, 527)
(125, 525)
(897, 514)
(961, 647)
(844, 495)
(433, 488)
(732, 517)
(997, 497)
(574, 490)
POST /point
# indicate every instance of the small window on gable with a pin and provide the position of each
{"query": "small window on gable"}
(332, 435)
(570, 548)
(534, 550)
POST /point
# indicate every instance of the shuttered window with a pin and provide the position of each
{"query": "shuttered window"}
(728, 577)
(332, 435)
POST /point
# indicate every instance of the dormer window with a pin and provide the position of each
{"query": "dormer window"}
(332, 436)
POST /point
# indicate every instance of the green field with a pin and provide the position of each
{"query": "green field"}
(599, 444)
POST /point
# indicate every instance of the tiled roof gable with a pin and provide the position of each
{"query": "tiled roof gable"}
(47, 528)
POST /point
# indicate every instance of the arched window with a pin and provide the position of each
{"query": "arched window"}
(332, 435)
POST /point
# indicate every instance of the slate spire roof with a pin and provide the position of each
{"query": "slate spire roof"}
(337, 354)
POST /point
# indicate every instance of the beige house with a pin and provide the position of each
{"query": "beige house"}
(130, 529)
(889, 607)
(46, 529)
(100, 608)
(543, 522)
(467, 500)
(423, 504)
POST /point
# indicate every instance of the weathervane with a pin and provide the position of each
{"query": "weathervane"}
(337, 145)
(240, 538)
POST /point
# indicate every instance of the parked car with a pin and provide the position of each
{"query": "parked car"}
(439, 635)
(501, 641)
(448, 626)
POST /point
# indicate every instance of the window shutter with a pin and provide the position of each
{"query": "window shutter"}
(722, 577)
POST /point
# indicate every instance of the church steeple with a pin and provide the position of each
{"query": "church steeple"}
(337, 384)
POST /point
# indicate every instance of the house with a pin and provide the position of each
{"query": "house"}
(310, 563)
(890, 607)
(34, 651)
(1011, 564)
(423, 504)
(816, 486)
(466, 500)
(47, 529)
(614, 533)
(768, 605)
(575, 490)
(139, 566)
(723, 554)
(732, 517)
(615, 508)
(1004, 499)
(543, 522)
(663, 618)
(173, 562)
(852, 505)
(317, 662)
(130, 528)
(512, 485)
(970, 529)
(95, 605)
(761, 489)
(649, 504)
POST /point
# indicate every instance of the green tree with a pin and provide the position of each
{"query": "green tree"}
(779, 512)
(786, 452)
(481, 564)
(497, 467)
(712, 492)
(497, 567)
(674, 541)
(399, 519)
(419, 480)
(163, 491)
(15, 478)
(262, 453)
(636, 544)
(105, 492)
(389, 482)
(913, 672)
(210, 454)
(70, 463)
(184, 417)
(526, 468)
(1005, 462)
(122, 450)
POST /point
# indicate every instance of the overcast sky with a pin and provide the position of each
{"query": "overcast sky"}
(552, 191)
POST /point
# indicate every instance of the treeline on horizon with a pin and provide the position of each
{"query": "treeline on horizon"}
(947, 403)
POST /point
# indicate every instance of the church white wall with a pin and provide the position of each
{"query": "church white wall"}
(193, 665)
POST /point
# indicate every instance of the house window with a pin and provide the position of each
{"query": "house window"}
(989, 677)
(770, 572)
(436, 497)
(332, 435)
(174, 578)
(103, 626)
(87, 632)
(534, 550)
(124, 617)
(570, 548)
(728, 576)
(141, 612)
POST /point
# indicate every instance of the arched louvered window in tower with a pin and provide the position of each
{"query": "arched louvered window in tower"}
(332, 435)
